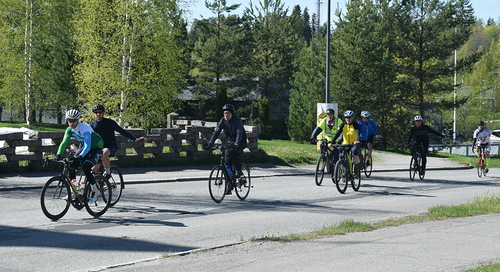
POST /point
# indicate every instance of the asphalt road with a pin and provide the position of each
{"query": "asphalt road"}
(174, 218)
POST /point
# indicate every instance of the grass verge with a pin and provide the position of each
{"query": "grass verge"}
(485, 205)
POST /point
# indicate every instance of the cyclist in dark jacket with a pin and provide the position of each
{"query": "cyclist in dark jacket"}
(106, 128)
(236, 137)
(421, 134)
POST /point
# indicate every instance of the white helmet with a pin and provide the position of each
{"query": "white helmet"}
(73, 114)
(417, 118)
(365, 114)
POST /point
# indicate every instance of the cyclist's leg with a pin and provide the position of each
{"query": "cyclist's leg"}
(355, 154)
(370, 145)
(106, 153)
(487, 155)
(425, 148)
(90, 161)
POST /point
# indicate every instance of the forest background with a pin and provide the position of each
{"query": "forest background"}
(142, 60)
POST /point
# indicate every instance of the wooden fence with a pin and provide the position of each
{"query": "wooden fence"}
(183, 140)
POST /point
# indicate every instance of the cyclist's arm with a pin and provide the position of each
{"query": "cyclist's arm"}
(87, 141)
(375, 127)
(123, 132)
(65, 141)
(339, 131)
(217, 131)
(316, 132)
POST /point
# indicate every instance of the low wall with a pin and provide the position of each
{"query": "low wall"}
(185, 137)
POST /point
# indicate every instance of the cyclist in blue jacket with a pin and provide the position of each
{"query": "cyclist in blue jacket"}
(368, 131)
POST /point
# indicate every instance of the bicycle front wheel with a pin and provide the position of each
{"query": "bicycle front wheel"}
(356, 181)
(413, 168)
(243, 184)
(480, 164)
(341, 176)
(367, 165)
(55, 198)
(320, 169)
(103, 199)
(217, 184)
(117, 184)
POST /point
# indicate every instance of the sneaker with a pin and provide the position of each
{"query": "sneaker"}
(95, 194)
(486, 170)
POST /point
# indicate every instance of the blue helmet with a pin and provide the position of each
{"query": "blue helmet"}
(349, 113)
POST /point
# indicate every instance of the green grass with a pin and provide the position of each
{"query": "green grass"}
(35, 126)
(485, 205)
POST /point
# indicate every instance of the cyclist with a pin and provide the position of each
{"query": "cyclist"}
(421, 134)
(329, 125)
(236, 137)
(368, 131)
(106, 128)
(89, 150)
(481, 138)
(350, 135)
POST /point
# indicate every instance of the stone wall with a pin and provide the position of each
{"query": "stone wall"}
(186, 136)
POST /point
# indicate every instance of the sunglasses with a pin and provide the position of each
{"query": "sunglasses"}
(72, 120)
(98, 112)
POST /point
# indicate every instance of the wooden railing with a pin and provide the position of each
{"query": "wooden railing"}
(183, 140)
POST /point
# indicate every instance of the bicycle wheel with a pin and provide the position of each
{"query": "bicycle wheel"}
(217, 184)
(341, 176)
(320, 169)
(480, 166)
(421, 172)
(367, 165)
(117, 184)
(413, 168)
(356, 181)
(104, 196)
(243, 184)
(54, 198)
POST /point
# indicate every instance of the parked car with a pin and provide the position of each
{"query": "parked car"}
(495, 137)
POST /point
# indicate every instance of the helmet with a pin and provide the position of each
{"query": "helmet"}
(73, 114)
(228, 107)
(349, 113)
(365, 114)
(330, 111)
(98, 107)
(480, 123)
(417, 118)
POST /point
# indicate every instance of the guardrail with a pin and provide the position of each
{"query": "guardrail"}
(181, 141)
(463, 149)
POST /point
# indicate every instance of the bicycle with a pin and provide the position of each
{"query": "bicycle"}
(416, 163)
(366, 161)
(115, 179)
(59, 193)
(324, 161)
(116, 182)
(481, 166)
(221, 182)
(345, 170)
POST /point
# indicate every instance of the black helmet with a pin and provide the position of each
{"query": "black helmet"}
(98, 107)
(330, 111)
(480, 123)
(228, 107)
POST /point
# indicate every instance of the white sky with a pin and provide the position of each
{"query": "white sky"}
(483, 9)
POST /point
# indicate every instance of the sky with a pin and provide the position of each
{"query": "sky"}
(483, 9)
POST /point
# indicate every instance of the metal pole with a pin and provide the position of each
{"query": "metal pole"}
(327, 88)
(455, 100)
